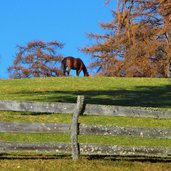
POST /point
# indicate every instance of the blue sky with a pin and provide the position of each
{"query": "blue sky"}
(66, 21)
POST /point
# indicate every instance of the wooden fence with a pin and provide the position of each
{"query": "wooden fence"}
(75, 129)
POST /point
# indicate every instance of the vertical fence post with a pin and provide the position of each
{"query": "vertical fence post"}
(74, 134)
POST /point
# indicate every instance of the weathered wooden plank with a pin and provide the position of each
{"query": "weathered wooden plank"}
(85, 149)
(74, 136)
(100, 130)
(90, 109)
(141, 132)
(7, 147)
(106, 110)
(16, 127)
(94, 149)
(38, 107)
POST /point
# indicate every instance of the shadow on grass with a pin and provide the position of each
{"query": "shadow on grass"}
(143, 96)
(90, 157)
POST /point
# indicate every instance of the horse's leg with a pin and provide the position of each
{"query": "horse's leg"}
(64, 71)
(78, 72)
(63, 66)
(68, 72)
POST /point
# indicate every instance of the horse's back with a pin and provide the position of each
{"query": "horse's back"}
(73, 63)
(68, 58)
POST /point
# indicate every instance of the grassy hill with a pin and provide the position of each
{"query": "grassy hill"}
(142, 92)
(145, 92)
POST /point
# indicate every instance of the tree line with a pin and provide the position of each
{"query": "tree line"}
(136, 43)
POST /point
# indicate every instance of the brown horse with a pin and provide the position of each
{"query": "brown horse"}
(75, 64)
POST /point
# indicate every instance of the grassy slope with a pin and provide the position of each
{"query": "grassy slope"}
(81, 165)
(113, 91)
(116, 91)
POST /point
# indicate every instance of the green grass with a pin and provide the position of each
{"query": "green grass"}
(90, 120)
(145, 92)
(138, 92)
(81, 165)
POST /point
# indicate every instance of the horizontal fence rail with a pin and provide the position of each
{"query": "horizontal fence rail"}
(98, 130)
(107, 110)
(35, 147)
(90, 109)
(95, 149)
(85, 149)
(37, 107)
(139, 132)
(75, 148)
(14, 127)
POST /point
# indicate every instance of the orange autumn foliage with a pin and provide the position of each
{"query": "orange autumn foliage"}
(37, 59)
(136, 42)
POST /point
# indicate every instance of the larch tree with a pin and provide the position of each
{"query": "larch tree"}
(37, 59)
(136, 42)
(165, 12)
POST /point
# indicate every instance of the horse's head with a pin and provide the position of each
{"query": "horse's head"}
(86, 74)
